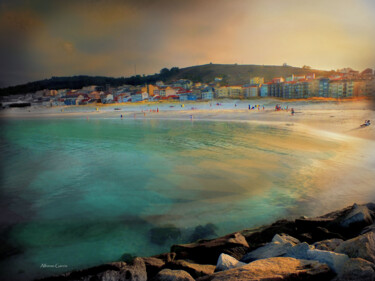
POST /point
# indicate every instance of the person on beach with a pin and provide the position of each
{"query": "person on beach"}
(292, 111)
(249, 107)
(121, 116)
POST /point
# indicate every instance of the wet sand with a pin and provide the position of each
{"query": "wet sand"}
(322, 116)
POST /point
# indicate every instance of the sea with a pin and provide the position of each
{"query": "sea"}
(77, 192)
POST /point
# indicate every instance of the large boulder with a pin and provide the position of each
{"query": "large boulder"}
(359, 216)
(304, 251)
(208, 251)
(226, 262)
(195, 270)
(328, 245)
(357, 269)
(117, 271)
(153, 266)
(280, 268)
(278, 247)
(312, 223)
(173, 275)
(362, 246)
(299, 251)
(335, 261)
(260, 236)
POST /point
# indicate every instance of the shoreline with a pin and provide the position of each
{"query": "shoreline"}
(336, 246)
(342, 118)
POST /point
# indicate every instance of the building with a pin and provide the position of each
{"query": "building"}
(337, 89)
(276, 90)
(235, 91)
(222, 92)
(288, 90)
(251, 91)
(256, 80)
(208, 93)
(323, 87)
(264, 90)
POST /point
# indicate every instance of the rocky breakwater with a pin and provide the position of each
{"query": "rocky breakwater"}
(336, 246)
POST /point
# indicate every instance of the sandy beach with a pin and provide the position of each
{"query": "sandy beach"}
(343, 117)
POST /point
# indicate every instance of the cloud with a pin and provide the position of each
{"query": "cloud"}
(98, 37)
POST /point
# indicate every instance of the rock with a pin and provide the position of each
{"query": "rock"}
(166, 257)
(335, 261)
(226, 262)
(262, 235)
(369, 228)
(208, 251)
(117, 271)
(153, 266)
(360, 215)
(362, 246)
(312, 223)
(204, 231)
(284, 238)
(160, 235)
(173, 275)
(195, 270)
(273, 249)
(328, 245)
(371, 206)
(304, 251)
(321, 233)
(357, 269)
(280, 268)
(299, 251)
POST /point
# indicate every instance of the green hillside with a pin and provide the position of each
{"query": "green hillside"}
(240, 74)
(232, 74)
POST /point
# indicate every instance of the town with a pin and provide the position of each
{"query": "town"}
(345, 83)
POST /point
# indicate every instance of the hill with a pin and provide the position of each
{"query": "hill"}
(232, 74)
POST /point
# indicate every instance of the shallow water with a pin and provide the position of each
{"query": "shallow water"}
(82, 192)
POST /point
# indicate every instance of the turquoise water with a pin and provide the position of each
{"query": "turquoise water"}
(82, 192)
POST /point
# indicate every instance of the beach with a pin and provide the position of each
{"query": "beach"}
(342, 117)
(81, 178)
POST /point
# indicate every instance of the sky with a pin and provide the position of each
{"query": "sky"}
(41, 39)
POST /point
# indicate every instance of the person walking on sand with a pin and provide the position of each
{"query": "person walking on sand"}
(292, 111)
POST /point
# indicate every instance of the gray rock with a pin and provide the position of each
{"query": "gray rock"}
(299, 251)
(284, 238)
(304, 251)
(359, 214)
(277, 248)
(335, 261)
(328, 245)
(280, 268)
(362, 246)
(226, 262)
(357, 269)
(173, 275)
